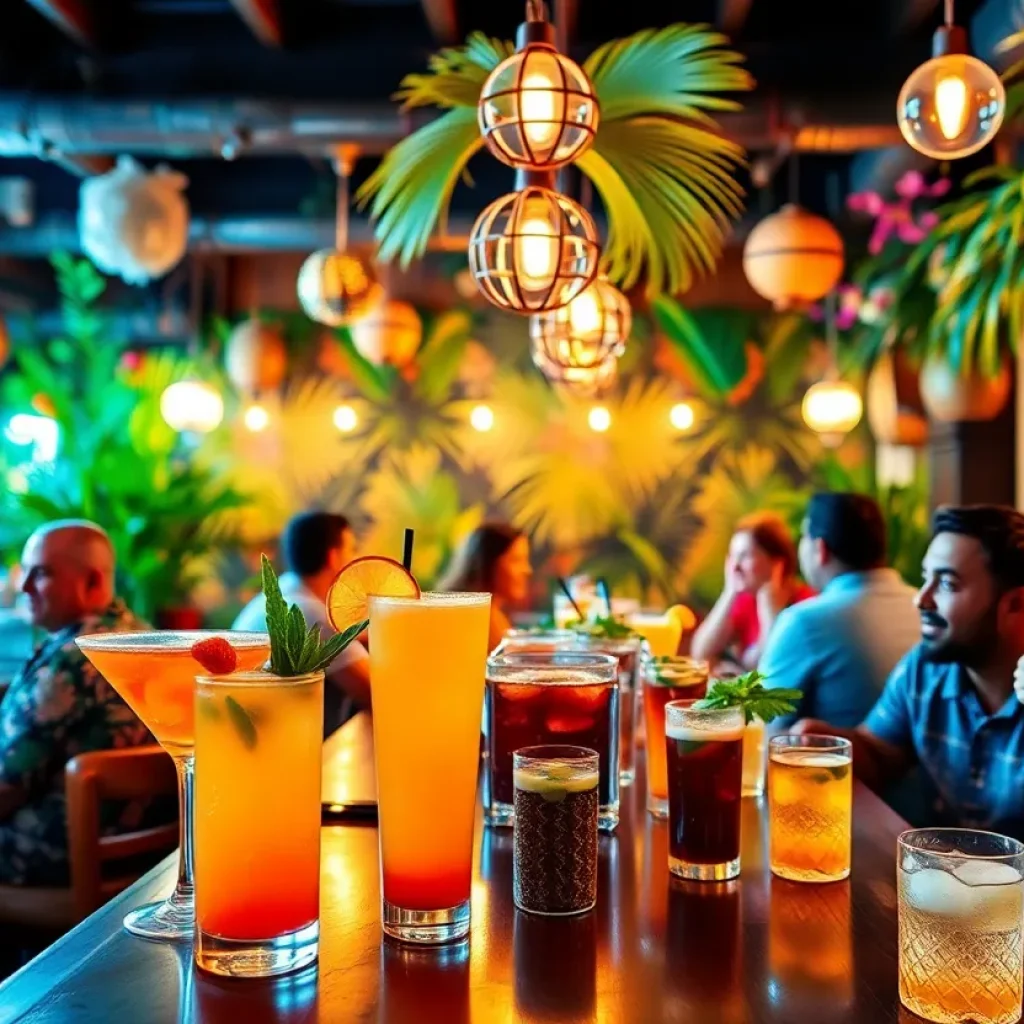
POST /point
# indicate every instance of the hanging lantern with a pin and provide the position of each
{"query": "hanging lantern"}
(893, 402)
(585, 332)
(390, 335)
(192, 406)
(953, 396)
(580, 381)
(832, 408)
(793, 257)
(952, 105)
(533, 250)
(537, 109)
(337, 288)
(255, 357)
(133, 222)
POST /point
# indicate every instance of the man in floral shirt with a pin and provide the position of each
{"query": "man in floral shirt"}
(58, 705)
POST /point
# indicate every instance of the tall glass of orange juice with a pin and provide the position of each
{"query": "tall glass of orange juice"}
(257, 822)
(427, 660)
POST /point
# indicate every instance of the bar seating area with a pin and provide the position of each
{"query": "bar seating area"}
(511, 512)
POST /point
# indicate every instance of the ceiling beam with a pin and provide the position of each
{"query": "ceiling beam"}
(263, 18)
(731, 15)
(75, 18)
(443, 18)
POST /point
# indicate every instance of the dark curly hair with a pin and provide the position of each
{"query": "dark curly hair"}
(999, 529)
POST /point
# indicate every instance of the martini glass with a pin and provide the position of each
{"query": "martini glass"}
(155, 673)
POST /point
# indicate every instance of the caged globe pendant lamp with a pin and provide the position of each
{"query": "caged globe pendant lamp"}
(585, 333)
(952, 105)
(533, 250)
(537, 109)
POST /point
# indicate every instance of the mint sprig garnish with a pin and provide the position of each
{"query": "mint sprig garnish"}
(606, 628)
(295, 648)
(749, 693)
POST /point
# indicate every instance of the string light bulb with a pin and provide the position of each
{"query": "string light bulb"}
(192, 406)
(537, 109)
(952, 105)
(832, 407)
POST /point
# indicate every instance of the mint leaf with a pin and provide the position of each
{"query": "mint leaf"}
(606, 628)
(336, 644)
(242, 722)
(277, 614)
(749, 693)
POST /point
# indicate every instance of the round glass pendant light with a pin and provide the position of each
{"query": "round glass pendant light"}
(582, 334)
(533, 250)
(336, 287)
(953, 104)
(580, 381)
(537, 109)
(832, 408)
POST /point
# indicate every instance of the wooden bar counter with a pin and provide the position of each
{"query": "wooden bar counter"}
(753, 951)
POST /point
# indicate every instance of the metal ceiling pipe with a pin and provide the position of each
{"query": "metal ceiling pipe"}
(43, 127)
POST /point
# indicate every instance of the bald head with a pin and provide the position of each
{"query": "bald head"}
(68, 569)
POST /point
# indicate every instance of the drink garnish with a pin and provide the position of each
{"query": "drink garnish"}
(606, 628)
(297, 649)
(216, 655)
(348, 600)
(679, 678)
(242, 722)
(748, 692)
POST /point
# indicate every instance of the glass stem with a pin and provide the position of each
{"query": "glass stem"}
(186, 779)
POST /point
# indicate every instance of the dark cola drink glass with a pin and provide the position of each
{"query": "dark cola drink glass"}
(554, 860)
(567, 698)
(704, 759)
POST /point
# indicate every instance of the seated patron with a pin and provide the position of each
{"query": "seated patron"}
(949, 706)
(760, 581)
(840, 647)
(316, 546)
(495, 558)
(58, 705)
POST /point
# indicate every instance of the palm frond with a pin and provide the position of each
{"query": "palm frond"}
(684, 198)
(672, 71)
(412, 186)
(455, 74)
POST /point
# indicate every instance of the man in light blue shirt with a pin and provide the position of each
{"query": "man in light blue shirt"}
(949, 705)
(840, 647)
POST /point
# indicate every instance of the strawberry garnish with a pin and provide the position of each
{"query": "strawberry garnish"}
(216, 655)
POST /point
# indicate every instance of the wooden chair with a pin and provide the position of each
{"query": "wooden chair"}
(104, 775)
(91, 779)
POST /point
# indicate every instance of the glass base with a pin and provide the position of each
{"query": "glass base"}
(704, 872)
(657, 807)
(499, 815)
(172, 919)
(258, 958)
(803, 875)
(425, 927)
(627, 776)
(555, 913)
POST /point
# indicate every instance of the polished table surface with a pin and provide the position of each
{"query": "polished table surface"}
(756, 950)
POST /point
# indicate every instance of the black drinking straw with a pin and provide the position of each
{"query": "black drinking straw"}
(568, 594)
(407, 552)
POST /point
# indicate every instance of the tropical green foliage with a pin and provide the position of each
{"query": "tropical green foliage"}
(119, 464)
(664, 170)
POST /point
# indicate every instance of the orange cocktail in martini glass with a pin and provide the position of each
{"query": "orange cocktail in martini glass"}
(155, 672)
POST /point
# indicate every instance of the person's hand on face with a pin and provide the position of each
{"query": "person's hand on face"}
(734, 581)
(772, 593)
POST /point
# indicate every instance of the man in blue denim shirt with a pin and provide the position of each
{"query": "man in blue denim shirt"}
(949, 705)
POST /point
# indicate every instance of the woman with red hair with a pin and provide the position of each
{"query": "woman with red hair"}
(760, 580)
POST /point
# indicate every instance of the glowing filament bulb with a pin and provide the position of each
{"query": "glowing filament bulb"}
(537, 248)
(537, 110)
(951, 105)
(585, 314)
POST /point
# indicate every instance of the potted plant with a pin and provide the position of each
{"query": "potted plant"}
(118, 463)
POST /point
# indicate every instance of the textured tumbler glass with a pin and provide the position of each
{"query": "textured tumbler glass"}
(554, 867)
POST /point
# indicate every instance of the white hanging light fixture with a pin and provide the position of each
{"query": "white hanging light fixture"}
(953, 104)
(335, 286)
(192, 406)
(832, 407)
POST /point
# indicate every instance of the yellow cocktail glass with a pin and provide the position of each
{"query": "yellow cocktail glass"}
(427, 660)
